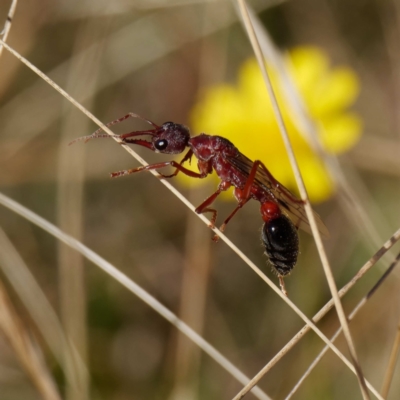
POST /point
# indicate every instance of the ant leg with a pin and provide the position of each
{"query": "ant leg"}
(230, 216)
(174, 164)
(188, 156)
(243, 195)
(214, 215)
(203, 207)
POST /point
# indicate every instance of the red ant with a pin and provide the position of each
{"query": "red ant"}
(281, 211)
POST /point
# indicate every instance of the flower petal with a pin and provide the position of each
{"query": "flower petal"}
(340, 133)
(338, 91)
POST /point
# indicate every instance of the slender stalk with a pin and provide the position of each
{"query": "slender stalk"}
(391, 365)
(303, 193)
(14, 330)
(26, 349)
(42, 313)
(8, 23)
(323, 311)
(351, 316)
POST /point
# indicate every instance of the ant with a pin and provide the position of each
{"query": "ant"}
(283, 214)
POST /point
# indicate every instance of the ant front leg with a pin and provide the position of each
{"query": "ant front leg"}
(204, 207)
(188, 156)
(174, 164)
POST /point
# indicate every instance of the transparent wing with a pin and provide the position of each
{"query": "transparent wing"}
(292, 207)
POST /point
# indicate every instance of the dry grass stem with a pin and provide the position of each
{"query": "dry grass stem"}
(303, 194)
(7, 26)
(391, 365)
(25, 349)
(32, 297)
(10, 324)
(324, 310)
(351, 316)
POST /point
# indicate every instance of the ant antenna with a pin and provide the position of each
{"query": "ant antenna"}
(94, 135)
(97, 133)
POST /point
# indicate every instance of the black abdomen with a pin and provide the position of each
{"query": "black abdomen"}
(281, 242)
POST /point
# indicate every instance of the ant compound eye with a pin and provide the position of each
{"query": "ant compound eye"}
(161, 144)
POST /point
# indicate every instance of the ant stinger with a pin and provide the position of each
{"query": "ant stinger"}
(281, 211)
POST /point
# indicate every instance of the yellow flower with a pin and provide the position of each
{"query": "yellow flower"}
(243, 114)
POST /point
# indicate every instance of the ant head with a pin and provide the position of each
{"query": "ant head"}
(170, 138)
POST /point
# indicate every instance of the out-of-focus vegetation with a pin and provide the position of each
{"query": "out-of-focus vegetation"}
(154, 58)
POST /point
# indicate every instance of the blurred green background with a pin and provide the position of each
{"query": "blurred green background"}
(153, 58)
